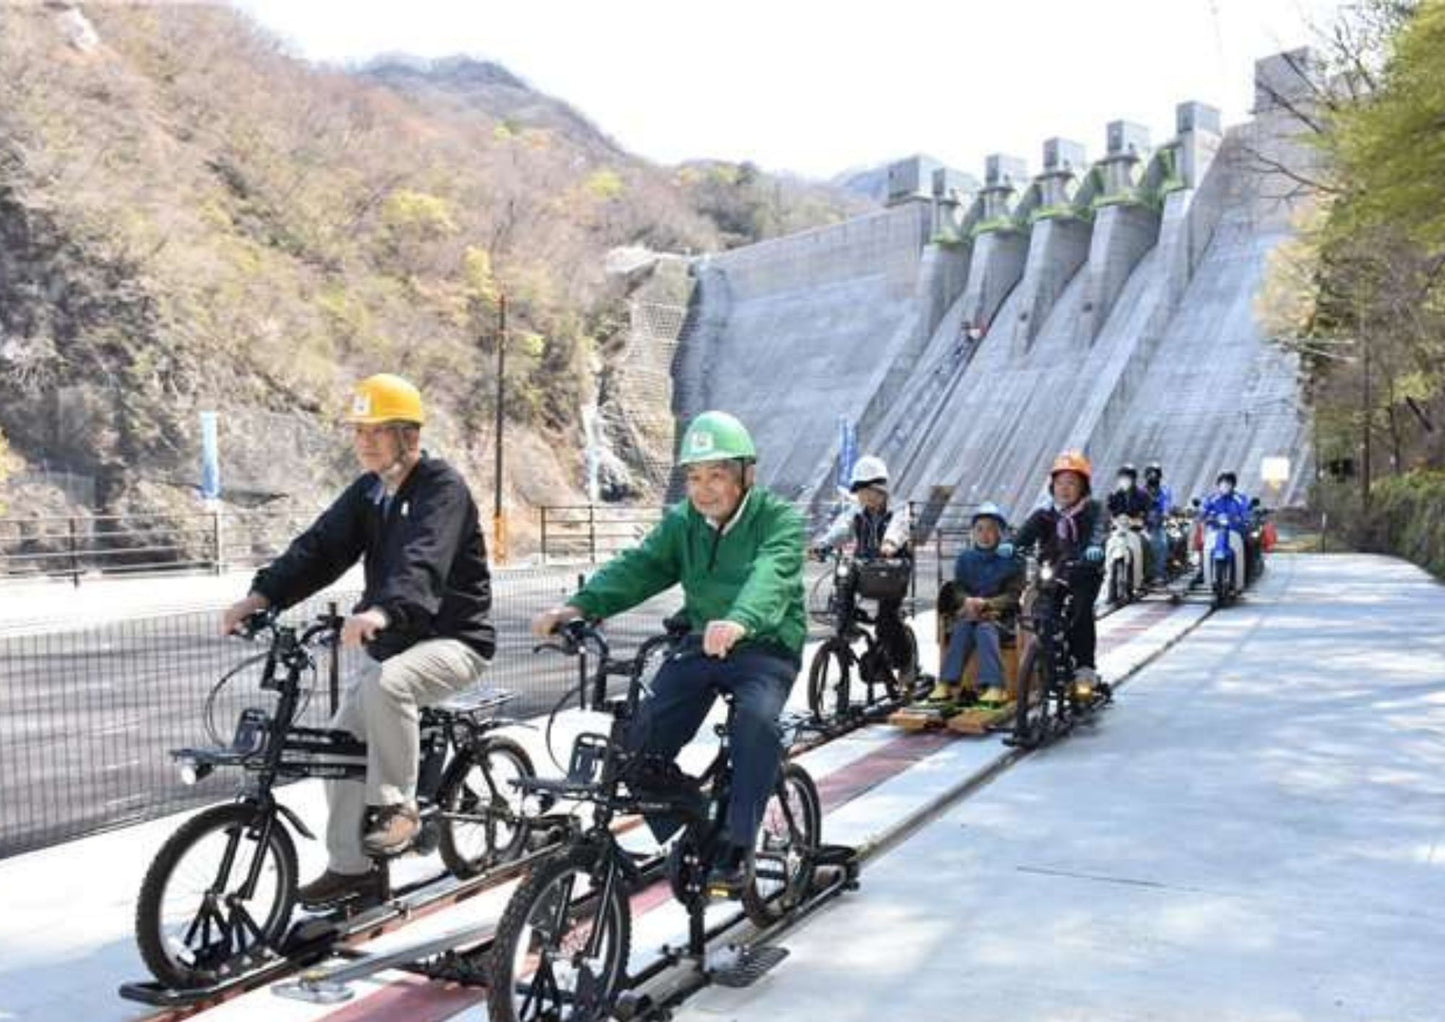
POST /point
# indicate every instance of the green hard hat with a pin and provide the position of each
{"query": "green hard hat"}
(716, 436)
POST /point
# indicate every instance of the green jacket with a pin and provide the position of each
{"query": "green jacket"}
(751, 574)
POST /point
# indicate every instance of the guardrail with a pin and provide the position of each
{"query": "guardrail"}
(596, 532)
(592, 532)
(81, 545)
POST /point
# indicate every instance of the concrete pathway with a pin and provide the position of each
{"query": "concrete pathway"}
(65, 934)
(1255, 832)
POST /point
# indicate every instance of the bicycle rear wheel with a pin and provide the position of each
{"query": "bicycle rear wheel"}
(785, 853)
(484, 814)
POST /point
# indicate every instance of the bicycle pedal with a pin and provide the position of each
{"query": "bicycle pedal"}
(749, 966)
(721, 892)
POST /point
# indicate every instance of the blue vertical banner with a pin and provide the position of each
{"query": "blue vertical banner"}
(210, 457)
(847, 451)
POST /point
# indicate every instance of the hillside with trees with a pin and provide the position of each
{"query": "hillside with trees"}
(1360, 294)
(192, 218)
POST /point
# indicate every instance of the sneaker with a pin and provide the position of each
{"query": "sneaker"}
(1086, 679)
(333, 888)
(944, 693)
(730, 872)
(392, 831)
(994, 695)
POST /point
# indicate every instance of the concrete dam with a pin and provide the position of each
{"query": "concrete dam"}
(972, 330)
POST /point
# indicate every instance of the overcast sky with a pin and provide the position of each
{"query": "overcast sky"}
(818, 87)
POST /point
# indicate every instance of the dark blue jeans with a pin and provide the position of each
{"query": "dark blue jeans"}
(683, 692)
(968, 635)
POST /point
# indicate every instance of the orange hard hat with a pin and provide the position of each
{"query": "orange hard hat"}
(1073, 461)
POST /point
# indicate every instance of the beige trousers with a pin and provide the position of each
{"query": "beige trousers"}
(381, 705)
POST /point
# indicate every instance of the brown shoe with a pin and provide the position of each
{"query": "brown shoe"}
(393, 830)
(332, 888)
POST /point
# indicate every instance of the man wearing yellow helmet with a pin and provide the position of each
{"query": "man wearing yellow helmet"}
(737, 551)
(423, 618)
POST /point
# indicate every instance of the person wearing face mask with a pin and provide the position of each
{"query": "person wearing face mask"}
(737, 551)
(876, 529)
(1161, 502)
(422, 617)
(1069, 531)
(1131, 502)
(1226, 501)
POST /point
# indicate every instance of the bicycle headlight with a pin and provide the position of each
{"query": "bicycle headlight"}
(193, 773)
(1222, 520)
(1046, 572)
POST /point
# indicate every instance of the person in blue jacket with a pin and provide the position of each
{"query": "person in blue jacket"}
(987, 588)
(1228, 503)
(1161, 502)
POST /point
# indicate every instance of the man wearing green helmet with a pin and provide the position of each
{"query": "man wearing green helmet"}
(737, 551)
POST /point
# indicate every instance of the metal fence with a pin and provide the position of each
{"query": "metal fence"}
(592, 532)
(79, 545)
(87, 716)
(595, 532)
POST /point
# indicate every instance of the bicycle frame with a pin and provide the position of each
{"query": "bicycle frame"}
(603, 791)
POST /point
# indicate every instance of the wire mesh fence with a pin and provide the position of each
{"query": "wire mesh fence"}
(88, 716)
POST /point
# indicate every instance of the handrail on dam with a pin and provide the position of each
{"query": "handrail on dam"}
(595, 532)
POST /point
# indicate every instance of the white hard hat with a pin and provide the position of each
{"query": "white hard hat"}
(868, 470)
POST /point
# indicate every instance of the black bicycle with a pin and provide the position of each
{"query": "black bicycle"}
(1050, 700)
(561, 949)
(838, 659)
(219, 895)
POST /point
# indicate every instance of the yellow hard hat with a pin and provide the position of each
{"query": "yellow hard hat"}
(385, 398)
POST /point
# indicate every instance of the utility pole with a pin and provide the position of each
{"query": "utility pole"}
(1368, 410)
(499, 522)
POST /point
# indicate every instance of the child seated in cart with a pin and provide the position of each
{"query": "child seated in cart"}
(979, 602)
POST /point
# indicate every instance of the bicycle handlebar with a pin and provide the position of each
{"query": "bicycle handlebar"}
(264, 621)
(574, 636)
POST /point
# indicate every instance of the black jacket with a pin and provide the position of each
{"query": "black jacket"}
(1134, 502)
(425, 559)
(1041, 528)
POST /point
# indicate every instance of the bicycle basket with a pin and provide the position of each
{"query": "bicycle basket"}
(884, 580)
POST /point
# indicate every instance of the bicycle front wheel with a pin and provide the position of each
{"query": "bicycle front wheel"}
(218, 896)
(828, 696)
(902, 680)
(560, 952)
(1032, 700)
(484, 817)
